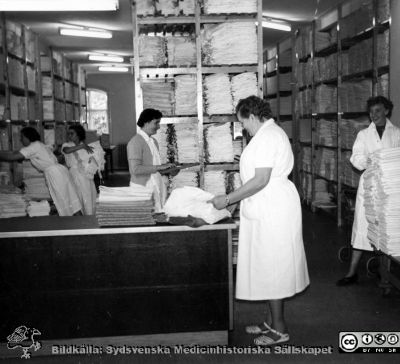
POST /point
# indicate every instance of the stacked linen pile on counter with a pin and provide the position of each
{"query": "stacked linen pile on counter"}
(218, 97)
(35, 183)
(218, 143)
(215, 182)
(38, 208)
(382, 200)
(243, 85)
(230, 6)
(181, 51)
(152, 51)
(125, 206)
(12, 202)
(185, 95)
(159, 96)
(184, 178)
(187, 140)
(218, 48)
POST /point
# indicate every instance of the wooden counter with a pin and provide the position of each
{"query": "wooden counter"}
(72, 280)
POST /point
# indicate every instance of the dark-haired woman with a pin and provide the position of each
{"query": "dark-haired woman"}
(83, 161)
(271, 262)
(58, 179)
(144, 157)
(380, 134)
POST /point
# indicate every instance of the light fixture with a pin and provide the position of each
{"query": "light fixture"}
(113, 69)
(59, 5)
(276, 24)
(86, 32)
(105, 58)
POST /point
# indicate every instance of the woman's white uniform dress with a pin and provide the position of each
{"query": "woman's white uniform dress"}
(271, 258)
(367, 142)
(83, 166)
(58, 179)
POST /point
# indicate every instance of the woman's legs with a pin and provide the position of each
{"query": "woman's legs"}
(355, 260)
(277, 315)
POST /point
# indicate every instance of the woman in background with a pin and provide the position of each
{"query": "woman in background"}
(83, 161)
(58, 179)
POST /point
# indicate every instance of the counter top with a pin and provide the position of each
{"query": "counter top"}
(20, 227)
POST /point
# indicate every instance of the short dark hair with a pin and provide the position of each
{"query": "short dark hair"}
(79, 130)
(254, 105)
(147, 115)
(376, 100)
(31, 133)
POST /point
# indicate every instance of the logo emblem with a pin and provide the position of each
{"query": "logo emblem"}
(367, 339)
(23, 337)
(392, 339)
(380, 339)
(348, 342)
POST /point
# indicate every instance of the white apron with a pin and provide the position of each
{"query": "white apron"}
(271, 258)
(155, 181)
(367, 142)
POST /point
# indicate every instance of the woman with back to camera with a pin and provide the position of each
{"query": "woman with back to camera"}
(144, 157)
(58, 179)
(380, 134)
(83, 161)
(271, 261)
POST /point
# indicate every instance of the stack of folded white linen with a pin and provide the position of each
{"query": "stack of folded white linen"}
(219, 49)
(218, 97)
(145, 7)
(162, 140)
(125, 206)
(38, 208)
(181, 51)
(243, 85)
(218, 143)
(160, 96)
(35, 183)
(233, 181)
(382, 200)
(186, 7)
(167, 7)
(215, 182)
(185, 95)
(184, 178)
(12, 202)
(152, 51)
(187, 140)
(230, 6)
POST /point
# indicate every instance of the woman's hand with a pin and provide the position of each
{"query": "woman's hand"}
(88, 148)
(219, 202)
(165, 166)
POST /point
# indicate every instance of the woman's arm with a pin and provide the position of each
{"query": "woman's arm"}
(68, 150)
(137, 168)
(251, 187)
(11, 156)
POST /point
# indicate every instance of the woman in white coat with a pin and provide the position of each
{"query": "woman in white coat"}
(380, 134)
(271, 259)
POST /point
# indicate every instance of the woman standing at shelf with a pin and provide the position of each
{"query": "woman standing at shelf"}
(144, 157)
(83, 161)
(271, 260)
(58, 179)
(380, 134)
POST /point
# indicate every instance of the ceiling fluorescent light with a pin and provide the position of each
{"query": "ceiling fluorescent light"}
(59, 5)
(105, 58)
(276, 24)
(91, 33)
(113, 69)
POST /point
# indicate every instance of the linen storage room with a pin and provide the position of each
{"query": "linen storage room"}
(179, 180)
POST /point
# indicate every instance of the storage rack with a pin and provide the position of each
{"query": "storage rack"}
(357, 32)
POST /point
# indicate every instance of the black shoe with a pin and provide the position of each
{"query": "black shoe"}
(347, 281)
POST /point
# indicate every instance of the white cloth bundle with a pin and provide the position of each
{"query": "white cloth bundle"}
(230, 6)
(38, 208)
(229, 43)
(218, 143)
(159, 95)
(243, 85)
(181, 51)
(152, 51)
(218, 97)
(192, 201)
(185, 95)
(187, 139)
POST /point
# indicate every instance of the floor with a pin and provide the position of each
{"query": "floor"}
(315, 317)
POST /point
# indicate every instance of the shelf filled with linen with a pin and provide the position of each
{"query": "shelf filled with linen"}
(16, 73)
(163, 137)
(383, 11)
(349, 129)
(305, 130)
(358, 58)
(187, 143)
(350, 175)
(357, 21)
(285, 105)
(146, 8)
(271, 65)
(185, 95)
(325, 39)
(34, 182)
(218, 96)
(353, 95)
(159, 95)
(382, 200)
(303, 102)
(325, 68)
(218, 143)
(12, 202)
(218, 48)
(272, 85)
(305, 187)
(383, 85)
(285, 81)
(215, 182)
(305, 159)
(304, 73)
(184, 178)
(31, 79)
(243, 85)
(181, 51)
(124, 206)
(152, 51)
(303, 43)
(14, 40)
(326, 163)
(383, 44)
(324, 194)
(229, 7)
(326, 132)
(325, 99)
(22, 108)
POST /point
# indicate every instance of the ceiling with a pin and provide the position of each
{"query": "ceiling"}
(46, 24)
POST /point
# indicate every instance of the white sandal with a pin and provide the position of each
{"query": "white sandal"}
(258, 329)
(268, 339)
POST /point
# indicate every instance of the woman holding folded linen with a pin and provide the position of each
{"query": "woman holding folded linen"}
(58, 179)
(144, 157)
(83, 161)
(271, 262)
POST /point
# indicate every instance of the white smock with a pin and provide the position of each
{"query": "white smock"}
(271, 259)
(82, 166)
(58, 179)
(155, 181)
(367, 142)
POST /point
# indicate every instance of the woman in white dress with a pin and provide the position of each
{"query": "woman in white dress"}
(83, 161)
(58, 179)
(271, 259)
